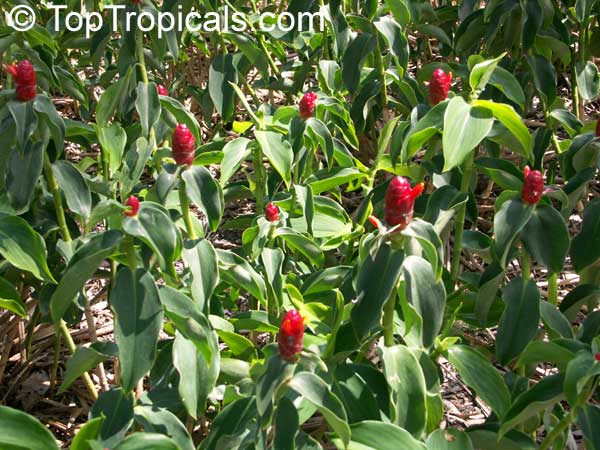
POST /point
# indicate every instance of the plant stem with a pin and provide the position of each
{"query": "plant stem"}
(139, 50)
(185, 210)
(259, 180)
(460, 218)
(381, 71)
(58, 206)
(71, 346)
(553, 288)
(564, 423)
(388, 320)
(525, 265)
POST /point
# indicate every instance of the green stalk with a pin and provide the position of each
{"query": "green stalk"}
(525, 265)
(259, 180)
(561, 426)
(381, 72)
(66, 235)
(460, 218)
(185, 210)
(388, 320)
(553, 288)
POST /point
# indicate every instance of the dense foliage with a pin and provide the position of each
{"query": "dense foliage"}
(357, 172)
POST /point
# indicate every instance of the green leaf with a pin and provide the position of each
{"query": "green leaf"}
(103, 210)
(588, 80)
(116, 406)
(547, 225)
(77, 193)
(395, 39)
(482, 72)
(520, 320)
(182, 116)
(112, 98)
(513, 122)
(82, 266)
(138, 320)
(374, 435)
(286, 425)
(407, 385)
(375, 281)
(235, 270)
(25, 249)
(163, 421)
(85, 359)
(544, 78)
(147, 104)
(10, 299)
(327, 180)
(579, 371)
(279, 152)
(20, 431)
(201, 258)
(544, 351)
(234, 153)
(504, 173)
(197, 374)
(588, 418)
(449, 439)
(135, 161)
(507, 83)
(354, 59)
(302, 244)
(154, 226)
(479, 374)
(206, 193)
(555, 321)
(465, 126)
(145, 441)
(546, 393)
(221, 74)
(317, 129)
(430, 242)
(277, 373)
(24, 168)
(112, 140)
(588, 238)
(423, 130)
(314, 390)
(508, 223)
(399, 10)
(89, 431)
(426, 295)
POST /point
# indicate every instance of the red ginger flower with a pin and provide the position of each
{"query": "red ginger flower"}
(162, 90)
(291, 334)
(272, 212)
(183, 145)
(133, 205)
(400, 201)
(307, 105)
(533, 186)
(439, 86)
(24, 76)
(597, 356)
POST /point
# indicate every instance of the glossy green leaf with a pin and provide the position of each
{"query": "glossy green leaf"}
(234, 153)
(10, 299)
(316, 391)
(588, 80)
(508, 223)
(154, 226)
(85, 359)
(588, 418)
(507, 83)
(407, 388)
(449, 439)
(201, 258)
(20, 431)
(206, 193)
(580, 371)
(547, 392)
(182, 115)
(138, 320)
(145, 441)
(116, 406)
(237, 271)
(77, 193)
(279, 152)
(427, 296)
(147, 105)
(479, 374)
(112, 140)
(89, 431)
(430, 242)
(372, 435)
(134, 162)
(544, 78)
(465, 126)
(482, 72)
(547, 225)
(588, 238)
(158, 420)
(82, 266)
(375, 282)
(23, 171)
(25, 249)
(222, 72)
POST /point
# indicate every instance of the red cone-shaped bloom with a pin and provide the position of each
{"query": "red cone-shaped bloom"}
(597, 356)
(400, 202)
(307, 105)
(439, 86)
(533, 187)
(184, 145)
(272, 212)
(162, 90)
(25, 83)
(291, 334)
(133, 206)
